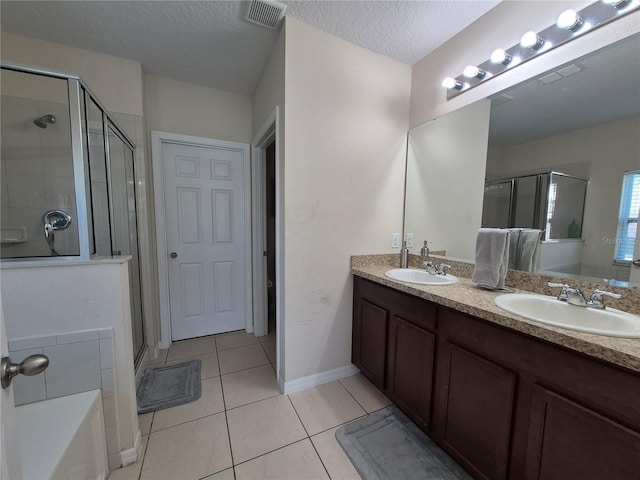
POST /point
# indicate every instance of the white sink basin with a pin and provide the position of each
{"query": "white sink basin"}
(549, 310)
(422, 277)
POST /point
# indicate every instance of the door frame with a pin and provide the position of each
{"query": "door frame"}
(159, 138)
(269, 131)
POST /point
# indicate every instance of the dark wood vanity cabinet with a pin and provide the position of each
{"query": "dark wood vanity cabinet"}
(403, 344)
(475, 405)
(410, 369)
(567, 440)
(503, 404)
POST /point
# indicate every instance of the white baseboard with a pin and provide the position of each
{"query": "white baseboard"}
(131, 455)
(319, 378)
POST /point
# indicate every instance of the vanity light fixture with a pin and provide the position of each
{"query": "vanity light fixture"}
(450, 83)
(474, 72)
(570, 20)
(569, 25)
(499, 56)
(532, 40)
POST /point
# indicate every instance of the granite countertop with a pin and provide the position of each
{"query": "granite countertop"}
(465, 297)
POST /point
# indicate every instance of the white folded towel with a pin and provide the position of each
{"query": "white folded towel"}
(492, 257)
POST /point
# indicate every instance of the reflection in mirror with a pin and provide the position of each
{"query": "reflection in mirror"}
(36, 167)
(579, 121)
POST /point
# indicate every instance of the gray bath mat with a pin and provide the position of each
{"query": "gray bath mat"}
(169, 386)
(389, 446)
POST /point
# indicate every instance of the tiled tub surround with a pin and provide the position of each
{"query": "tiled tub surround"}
(95, 303)
(465, 297)
(78, 362)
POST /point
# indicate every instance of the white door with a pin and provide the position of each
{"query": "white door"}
(11, 468)
(204, 203)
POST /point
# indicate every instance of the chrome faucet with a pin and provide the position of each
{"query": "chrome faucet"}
(436, 269)
(575, 296)
(596, 301)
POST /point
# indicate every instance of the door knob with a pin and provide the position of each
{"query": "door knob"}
(173, 255)
(31, 365)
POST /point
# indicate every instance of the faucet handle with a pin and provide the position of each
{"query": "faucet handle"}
(596, 300)
(600, 293)
(562, 296)
(442, 268)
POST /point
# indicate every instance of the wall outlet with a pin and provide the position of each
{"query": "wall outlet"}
(409, 240)
(395, 240)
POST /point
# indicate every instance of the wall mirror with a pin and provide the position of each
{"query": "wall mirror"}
(578, 121)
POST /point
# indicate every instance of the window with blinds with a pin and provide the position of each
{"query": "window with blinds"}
(628, 217)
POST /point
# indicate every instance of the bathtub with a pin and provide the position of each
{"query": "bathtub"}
(63, 438)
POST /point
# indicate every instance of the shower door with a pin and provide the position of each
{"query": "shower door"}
(36, 168)
(124, 230)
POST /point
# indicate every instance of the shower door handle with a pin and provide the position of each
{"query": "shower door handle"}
(173, 255)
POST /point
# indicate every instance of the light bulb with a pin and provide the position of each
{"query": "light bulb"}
(569, 20)
(471, 71)
(531, 40)
(451, 83)
(500, 56)
(614, 3)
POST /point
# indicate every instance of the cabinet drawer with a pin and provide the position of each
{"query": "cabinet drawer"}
(412, 309)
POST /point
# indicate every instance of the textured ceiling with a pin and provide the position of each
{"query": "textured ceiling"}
(208, 42)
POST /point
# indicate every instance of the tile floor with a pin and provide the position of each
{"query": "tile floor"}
(242, 427)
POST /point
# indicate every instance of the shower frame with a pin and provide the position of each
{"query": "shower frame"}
(79, 95)
(80, 176)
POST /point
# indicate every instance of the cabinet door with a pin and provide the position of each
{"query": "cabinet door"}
(411, 352)
(475, 405)
(370, 340)
(568, 441)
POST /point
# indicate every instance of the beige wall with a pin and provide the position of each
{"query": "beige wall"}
(270, 89)
(502, 27)
(116, 81)
(608, 150)
(346, 124)
(184, 108)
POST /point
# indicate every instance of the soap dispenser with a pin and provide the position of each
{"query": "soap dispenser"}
(404, 256)
(424, 252)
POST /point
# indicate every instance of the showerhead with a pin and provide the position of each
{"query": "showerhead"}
(45, 120)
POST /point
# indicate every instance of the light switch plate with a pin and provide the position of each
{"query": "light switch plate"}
(409, 240)
(395, 240)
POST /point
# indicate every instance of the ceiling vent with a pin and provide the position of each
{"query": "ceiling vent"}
(265, 12)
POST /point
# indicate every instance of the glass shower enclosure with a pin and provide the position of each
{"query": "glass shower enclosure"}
(552, 202)
(67, 178)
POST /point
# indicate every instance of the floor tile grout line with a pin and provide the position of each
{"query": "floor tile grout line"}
(245, 369)
(188, 421)
(251, 403)
(224, 405)
(340, 425)
(353, 396)
(144, 456)
(299, 417)
(320, 458)
(270, 452)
